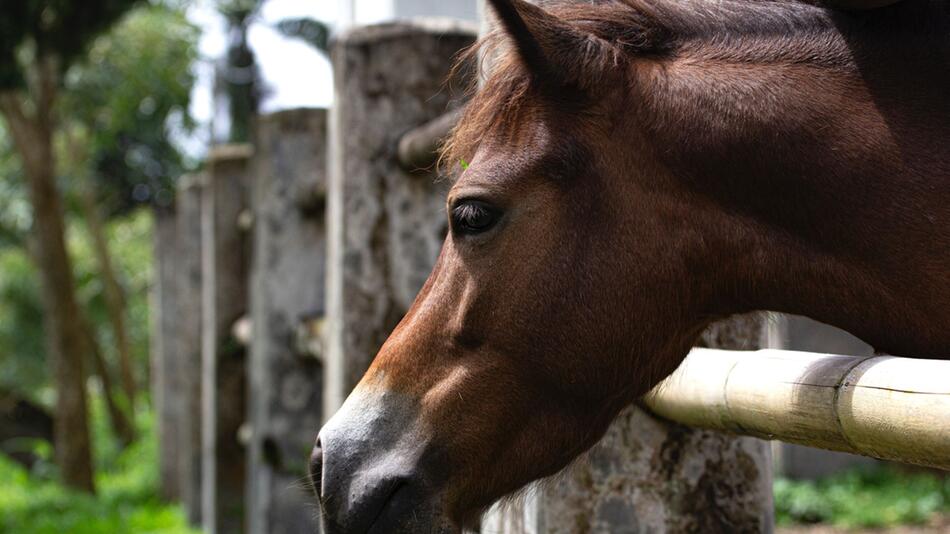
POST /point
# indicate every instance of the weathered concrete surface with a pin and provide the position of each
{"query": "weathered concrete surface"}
(188, 340)
(176, 345)
(386, 226)
(166, 358)
(287, 288)
(224, 272)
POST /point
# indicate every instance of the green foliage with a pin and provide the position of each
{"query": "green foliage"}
(59, 28)
(130, 242)
(135, 80)
(22, 353)
(22, 350)
(863, 498)
(127, 499)
(122, 95)
(239, 78)
(15, 212)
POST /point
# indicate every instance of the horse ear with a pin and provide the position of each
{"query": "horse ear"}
(550, 48)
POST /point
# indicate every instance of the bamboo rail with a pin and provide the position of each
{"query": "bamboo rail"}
(881, 406)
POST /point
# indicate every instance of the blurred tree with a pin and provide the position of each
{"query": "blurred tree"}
(116, 111)
(23, 361)
(115, 304)
(39, 39)
(310, 31)
(15, 216)
(22, 355)
(238, 80)
(125, 95)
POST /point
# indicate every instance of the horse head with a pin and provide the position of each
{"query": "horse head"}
(576, 274)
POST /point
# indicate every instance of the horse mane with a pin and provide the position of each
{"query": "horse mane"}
(732, 30)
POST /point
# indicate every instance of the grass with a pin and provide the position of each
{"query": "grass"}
(867, 498)
(126, 501)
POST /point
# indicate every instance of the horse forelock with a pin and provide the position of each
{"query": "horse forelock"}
(508, 93)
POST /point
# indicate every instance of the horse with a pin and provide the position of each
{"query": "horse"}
(638, 169)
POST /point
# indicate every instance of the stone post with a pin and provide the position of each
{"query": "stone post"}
(386, 226)
(188, 340)
(224, 262)
(287, 298)
(166, 359)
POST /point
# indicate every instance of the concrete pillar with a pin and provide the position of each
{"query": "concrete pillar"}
(648, 475)
(287, 298)
(165, 357)
(385, 226)
(224, 270)
(188, 340)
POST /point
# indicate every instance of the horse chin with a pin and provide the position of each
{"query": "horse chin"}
(373, 469)
(407, 511)
(410, 516)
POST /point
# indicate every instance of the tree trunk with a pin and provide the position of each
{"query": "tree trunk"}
(64, 337)
(63, 331)
(112, 291)
(122, 427)
(121, 423)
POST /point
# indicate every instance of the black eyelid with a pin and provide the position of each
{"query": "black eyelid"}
(465, 204)
(462, 201)
(471, 207)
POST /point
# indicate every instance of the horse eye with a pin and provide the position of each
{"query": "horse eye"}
(473, 217)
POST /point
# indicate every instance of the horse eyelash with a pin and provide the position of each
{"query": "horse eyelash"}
(467, 209)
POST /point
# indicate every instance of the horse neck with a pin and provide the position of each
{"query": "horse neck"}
(825, 185)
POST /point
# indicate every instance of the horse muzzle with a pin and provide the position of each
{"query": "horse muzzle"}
(367, 469)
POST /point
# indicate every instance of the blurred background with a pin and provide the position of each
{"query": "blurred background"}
(105, 105)
(110, 108)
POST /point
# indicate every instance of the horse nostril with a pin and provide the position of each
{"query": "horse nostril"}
(316, 469)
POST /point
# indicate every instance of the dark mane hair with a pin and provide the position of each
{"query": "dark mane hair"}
(733, 30)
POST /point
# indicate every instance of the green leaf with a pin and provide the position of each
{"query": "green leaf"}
(57, 28)
(134, 82)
